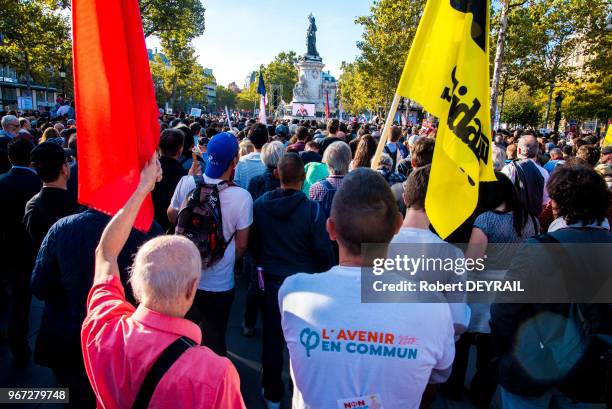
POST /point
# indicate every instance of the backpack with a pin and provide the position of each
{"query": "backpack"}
(400, 153)
(328, 197)
(530, 189)
(200, 220)
(581, 353)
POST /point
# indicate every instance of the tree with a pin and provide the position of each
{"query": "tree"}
(556, 28)
(165, 18)
(225, 97)
(521, 113)
(282, 71)
(353, 90)
(506, 6)
(180, 90)
(387, 35)
(247, 98)
(36, 39)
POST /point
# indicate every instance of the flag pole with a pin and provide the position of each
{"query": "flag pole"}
(385, 133)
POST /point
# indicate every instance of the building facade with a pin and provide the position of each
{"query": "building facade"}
(14, 93)
(211, 88)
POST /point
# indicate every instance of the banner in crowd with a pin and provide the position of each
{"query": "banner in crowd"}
(115, 104)
(447, 71)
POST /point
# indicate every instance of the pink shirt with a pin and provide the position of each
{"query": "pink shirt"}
(120, 344)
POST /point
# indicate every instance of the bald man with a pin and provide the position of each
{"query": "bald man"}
(153, 340)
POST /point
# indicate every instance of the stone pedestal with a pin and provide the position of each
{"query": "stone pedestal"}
(310, 88)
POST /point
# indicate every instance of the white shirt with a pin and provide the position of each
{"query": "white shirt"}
(63, 110)
(408, 235)
(510, 171)
(344, 351)
(237, 214)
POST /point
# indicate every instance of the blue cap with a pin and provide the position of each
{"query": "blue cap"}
(221, 149)
(282, 129)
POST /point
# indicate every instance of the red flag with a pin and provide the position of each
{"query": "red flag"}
(327, 105)
(117, 114)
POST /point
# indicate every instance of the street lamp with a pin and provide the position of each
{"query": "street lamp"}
(558, 101)
(62, 73)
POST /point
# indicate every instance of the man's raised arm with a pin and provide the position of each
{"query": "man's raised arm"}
(118, 229)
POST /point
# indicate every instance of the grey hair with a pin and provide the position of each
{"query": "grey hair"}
(337, 157)
(386, 161)
(499, 158)
(163, 271)
(8, 119)
(271, 153)
(556, 152)
(528, 146)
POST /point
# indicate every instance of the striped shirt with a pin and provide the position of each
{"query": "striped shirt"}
(248, 167)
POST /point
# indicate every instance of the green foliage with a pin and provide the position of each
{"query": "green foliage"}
(353, 91)
(166, 18)
(388, 31)
(588, 99)
(182, 86)
(247, 98)
(282, 71)
(225, 97)
(543, 40)
(521, 109)
(36, 39)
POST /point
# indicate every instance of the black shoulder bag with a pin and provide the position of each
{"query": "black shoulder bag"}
(165, 361)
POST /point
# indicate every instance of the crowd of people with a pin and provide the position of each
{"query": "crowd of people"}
(135, 318)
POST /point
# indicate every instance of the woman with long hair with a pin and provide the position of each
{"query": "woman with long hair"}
(504, 219)
(365, 151)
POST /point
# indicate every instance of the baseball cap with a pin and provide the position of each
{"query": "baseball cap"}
(222, 149)
(282, 129)
(606, 150)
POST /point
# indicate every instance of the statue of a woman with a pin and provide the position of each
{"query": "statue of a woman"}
(311, 37)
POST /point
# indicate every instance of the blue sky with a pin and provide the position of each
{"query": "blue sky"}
(241, 34)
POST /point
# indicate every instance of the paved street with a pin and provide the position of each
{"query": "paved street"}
(244, 352)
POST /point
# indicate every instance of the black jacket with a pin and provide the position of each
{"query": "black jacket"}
(162, 194)
(17, 186)
(45, 208)
(288, 234)
(63, 276)
(517, 344)
(261, 184)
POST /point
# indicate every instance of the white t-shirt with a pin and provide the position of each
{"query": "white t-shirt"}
(237, 214)
(344, 351)
(408, 235)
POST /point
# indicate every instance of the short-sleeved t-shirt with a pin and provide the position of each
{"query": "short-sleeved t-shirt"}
(237, 214)
(342, 350)
(499, 227)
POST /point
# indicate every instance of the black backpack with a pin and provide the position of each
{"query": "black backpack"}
(582, 355)
(200, 220)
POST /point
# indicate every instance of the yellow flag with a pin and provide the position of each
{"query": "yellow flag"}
(447, 71)
(608, 139)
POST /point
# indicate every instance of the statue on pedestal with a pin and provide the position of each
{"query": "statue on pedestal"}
(311, 38)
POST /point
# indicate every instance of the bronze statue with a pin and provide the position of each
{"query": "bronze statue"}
(311, 38)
